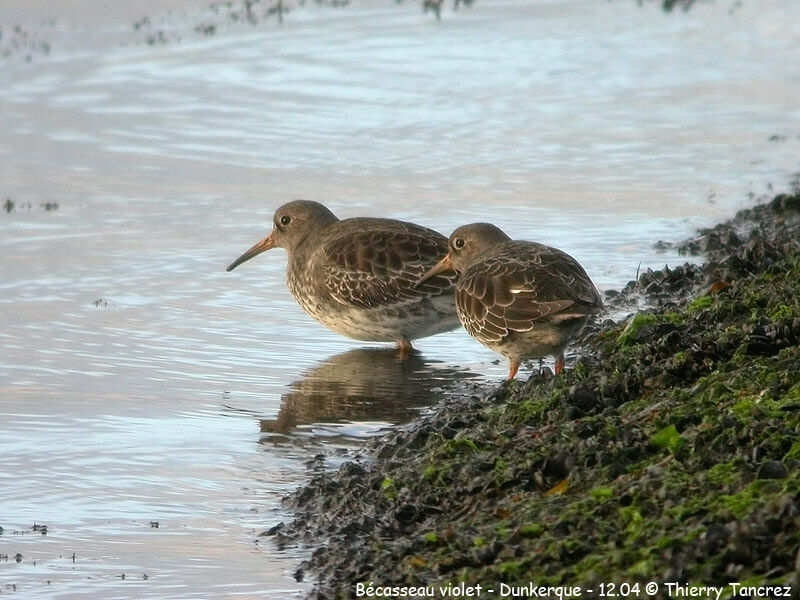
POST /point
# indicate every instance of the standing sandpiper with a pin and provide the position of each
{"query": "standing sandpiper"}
(358, 277)
(520, 299)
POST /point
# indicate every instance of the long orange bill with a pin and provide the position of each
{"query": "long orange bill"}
(260, 247)
(440, 267)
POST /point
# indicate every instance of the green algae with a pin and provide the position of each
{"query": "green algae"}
(699, 304)
(531, 530)
(634, 326)
(667, 438)
(388, 489)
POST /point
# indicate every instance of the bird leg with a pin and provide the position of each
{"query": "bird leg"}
(559, 364)
(405, 348)
(513, 367)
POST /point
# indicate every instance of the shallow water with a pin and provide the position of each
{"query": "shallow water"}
(140, 383)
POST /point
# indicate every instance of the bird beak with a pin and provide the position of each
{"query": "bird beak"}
(262, 246)
(440, 267)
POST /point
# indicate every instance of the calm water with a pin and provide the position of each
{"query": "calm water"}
(140, 383)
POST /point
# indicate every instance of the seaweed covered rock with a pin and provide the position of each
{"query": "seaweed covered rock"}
(670, 452)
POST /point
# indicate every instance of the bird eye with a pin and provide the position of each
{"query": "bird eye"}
(458, 243)
(286, 219)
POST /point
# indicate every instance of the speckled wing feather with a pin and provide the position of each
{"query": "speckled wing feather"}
(521, 285)
(381, 267)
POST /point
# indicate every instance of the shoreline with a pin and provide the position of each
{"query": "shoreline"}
(667, 451)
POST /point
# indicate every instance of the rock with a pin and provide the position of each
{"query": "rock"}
(772, 469)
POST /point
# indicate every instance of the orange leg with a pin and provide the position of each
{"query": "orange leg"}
(513, 367)
(559, 364)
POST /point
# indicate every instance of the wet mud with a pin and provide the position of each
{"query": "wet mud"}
(667, 452)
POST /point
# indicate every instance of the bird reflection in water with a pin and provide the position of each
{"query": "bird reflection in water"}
(365, 385)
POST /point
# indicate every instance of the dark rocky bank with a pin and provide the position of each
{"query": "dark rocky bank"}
(668, 452)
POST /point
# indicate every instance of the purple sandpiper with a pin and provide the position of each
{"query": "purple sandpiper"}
(520, 299)
(358, 277)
